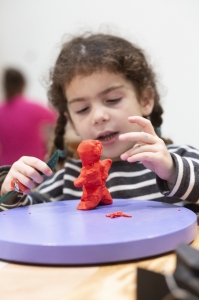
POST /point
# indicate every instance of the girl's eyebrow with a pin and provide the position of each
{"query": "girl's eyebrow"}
(110, 89)
(80, 99)
(76, 100)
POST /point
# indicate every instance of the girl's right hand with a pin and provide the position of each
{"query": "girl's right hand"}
(26, 171)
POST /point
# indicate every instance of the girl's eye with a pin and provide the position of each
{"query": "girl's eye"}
(114, 100)
(82, 110)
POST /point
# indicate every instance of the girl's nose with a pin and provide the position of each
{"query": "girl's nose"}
(99, 116)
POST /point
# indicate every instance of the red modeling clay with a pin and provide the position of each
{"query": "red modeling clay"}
(118, 214)
(17, 186)
(93, 175)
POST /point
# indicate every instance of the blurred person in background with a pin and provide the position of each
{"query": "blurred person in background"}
(25, 126)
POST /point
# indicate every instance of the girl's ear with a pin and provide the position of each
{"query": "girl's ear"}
(147, 101)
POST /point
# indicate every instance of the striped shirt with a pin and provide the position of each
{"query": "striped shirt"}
(126, 180)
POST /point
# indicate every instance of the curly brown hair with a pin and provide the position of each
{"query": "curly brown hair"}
(89, 53)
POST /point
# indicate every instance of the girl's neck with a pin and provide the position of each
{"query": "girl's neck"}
(113, 159)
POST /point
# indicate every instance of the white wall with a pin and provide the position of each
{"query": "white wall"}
(31, 32)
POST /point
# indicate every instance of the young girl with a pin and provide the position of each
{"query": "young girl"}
(104, 86)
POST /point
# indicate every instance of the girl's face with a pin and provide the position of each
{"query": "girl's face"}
(99, 106)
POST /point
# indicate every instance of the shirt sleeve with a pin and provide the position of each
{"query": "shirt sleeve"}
(186, 184)
(3, 172)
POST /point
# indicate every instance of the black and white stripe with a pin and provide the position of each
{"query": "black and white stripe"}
(126, 180)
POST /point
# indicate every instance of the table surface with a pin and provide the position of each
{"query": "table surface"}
(116, 281)
(56, 233)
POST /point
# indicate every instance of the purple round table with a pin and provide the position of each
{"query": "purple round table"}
(59, 234)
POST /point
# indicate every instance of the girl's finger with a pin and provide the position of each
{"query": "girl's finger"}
(29, 173)
(139, 137)
(138, 149)
(144, 123)
(143, 157)
(28, 182)
(34, 163)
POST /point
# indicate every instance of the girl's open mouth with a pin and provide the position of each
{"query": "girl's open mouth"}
(107, 137)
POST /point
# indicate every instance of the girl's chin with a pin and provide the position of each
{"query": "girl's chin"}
(112, 158)
(114, 152)
(111, 155)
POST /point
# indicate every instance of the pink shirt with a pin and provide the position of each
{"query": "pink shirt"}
(21, 124)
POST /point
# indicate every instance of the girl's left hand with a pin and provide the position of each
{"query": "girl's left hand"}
(149, 149)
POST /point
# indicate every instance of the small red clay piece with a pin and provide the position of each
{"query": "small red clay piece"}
(17, 186)
(93, 175)
(118, 214)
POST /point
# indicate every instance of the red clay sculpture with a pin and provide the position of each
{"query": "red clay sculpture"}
(93, 175)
